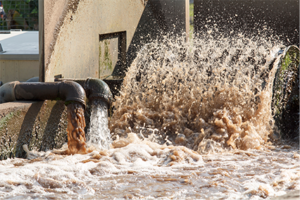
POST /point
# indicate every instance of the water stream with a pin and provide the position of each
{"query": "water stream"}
(75, 130)
(193, 121)
(98, 132)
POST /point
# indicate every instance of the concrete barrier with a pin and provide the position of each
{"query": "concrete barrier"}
(101, 38)
(41, 125)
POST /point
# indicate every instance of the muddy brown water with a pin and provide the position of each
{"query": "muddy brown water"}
(75, 129)
(193, 121)
(132, 172)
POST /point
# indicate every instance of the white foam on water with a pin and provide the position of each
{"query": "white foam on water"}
(141, 169)
(192, 122)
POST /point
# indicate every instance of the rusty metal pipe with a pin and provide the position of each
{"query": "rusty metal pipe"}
(66, 91)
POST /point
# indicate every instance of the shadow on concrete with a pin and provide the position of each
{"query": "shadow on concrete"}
(152, 26)
(258, 18)
(53, 128)
(26, 132)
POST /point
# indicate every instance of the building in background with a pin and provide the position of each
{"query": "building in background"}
(19, 40)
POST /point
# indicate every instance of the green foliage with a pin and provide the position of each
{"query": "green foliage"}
(27, 10)
(192, 10)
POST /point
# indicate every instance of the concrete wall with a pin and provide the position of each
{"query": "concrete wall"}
(74, 30)
(41, 125)
(21, 70)
(77, 38)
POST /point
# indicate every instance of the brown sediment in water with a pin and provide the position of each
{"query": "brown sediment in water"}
(75, 129)
(210, 95)
(75, 132)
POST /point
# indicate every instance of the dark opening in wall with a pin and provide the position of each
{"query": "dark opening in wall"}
(112, 54)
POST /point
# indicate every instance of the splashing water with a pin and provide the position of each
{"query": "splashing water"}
(214, 92)
(75, 129)
(210, 96)
(99, 134)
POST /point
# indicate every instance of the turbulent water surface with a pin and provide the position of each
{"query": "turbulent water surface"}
(193, 121)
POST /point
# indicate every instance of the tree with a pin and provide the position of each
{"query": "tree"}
(22, 14)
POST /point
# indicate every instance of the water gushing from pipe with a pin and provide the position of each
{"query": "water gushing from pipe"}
(98, 132)
(75, 129)
(187, 98)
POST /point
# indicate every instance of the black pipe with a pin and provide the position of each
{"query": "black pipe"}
(94, 89)
(67, 91)
(98, 89)
(33, 79)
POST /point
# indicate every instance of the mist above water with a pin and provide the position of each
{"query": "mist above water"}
(211, 93)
